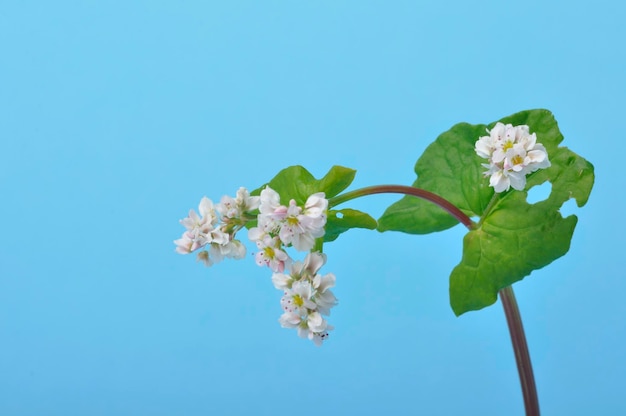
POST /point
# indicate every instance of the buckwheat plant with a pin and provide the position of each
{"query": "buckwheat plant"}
(478, 175)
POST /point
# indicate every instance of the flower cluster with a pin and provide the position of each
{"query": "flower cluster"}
(306, 298)
(218, 234)
(280, 226)
(513, 153)
(306, 293)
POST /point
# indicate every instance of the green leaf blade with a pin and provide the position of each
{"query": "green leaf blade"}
(514, 240)
(340, 221)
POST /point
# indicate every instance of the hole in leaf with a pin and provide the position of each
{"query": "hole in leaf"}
(568, 208)
(339, 215)
(539, 193)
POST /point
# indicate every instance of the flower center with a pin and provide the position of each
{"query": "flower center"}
(269, 252)
(517, 160)
(298, 301)
(507, 145)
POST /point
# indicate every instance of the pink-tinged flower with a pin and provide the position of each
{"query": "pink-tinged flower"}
(298, 270)
(316, 206)
(202, 224)
(270, 253)
(199, 228)
(269, 210)
(298, 298)
(238, 209)
(207, 230)
(294, 225)
(301, 227)
(187, 243)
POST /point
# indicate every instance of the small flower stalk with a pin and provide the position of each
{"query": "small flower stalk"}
(513, 153)
(307, 297)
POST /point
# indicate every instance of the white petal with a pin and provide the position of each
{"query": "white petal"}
(314, 261)
(255, 234)
(289, 320)
(517, 180)
(484, 147)
(499, 182)
(281, 281)
(206, 208)
(316, 322)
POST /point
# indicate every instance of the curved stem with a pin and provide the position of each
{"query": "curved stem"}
(511, 310)
(407, 190)
(520, 347)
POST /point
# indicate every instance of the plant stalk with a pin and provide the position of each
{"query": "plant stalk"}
(511, 310)
(520, 347)
(407, 190)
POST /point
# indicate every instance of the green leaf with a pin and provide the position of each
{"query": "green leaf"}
(342, 220)
(451, 168)
(295, 182)
(514, 237)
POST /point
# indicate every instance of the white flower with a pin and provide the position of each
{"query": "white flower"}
(202, 224)
(289, 320)
(269, 208)
(294, 225)
(324, 298)
(199, 228)
(206, 229)
(513, 153)
(233, 249)
(306, 297)
(315, 207)
(186, 244)
(281, 281)
(237, 209)
(316, 323)
(301, 227)
(298, 270)
(315, 328)
(270, 253)
(298, 298)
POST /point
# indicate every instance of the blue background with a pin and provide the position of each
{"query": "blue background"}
(117, 117)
